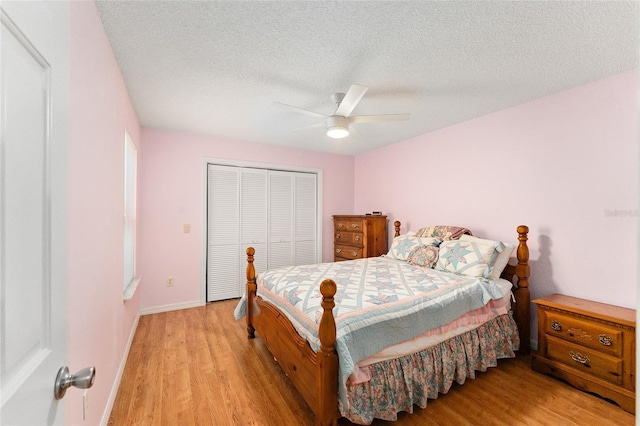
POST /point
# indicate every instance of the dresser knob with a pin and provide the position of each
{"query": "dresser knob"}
(338, 250)
(337, 236)
(340, 225)
(354, 226)
(354, 253)
(605, 340)
(556, 325)
(578, 357)
(357, 238)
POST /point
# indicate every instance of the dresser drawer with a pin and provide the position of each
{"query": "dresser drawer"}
(351, 238)
(348, 252)
(349, 225)
(593, 362)
(589, 333)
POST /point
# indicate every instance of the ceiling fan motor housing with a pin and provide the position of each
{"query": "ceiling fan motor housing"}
(337, 126)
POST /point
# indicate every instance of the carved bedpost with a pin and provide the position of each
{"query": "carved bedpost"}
(327, 409)
(523, 296)
(396, 224)
(251, 291)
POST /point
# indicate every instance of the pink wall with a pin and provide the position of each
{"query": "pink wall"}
(558, 164)
(100, 323)
(171, 184)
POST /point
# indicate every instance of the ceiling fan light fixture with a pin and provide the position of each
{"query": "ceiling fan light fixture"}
(337, 127)
(337, 132)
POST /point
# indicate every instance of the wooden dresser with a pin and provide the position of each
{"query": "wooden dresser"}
(591, 345)
(359, 236)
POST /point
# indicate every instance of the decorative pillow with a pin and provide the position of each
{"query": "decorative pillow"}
(503, 254)
(403, 244)
(443, 233)
(470, 258)
(425, 256)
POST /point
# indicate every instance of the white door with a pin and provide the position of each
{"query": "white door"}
(223, 222)
(34, 85)
(280, 219)
(306, 218)
(253, 221)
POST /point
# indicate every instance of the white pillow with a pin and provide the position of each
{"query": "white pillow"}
(503, 254)
(470, 258)
(403, 244)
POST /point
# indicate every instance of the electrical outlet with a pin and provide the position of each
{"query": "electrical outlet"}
(170, 282)
(186, 228)
(85, 404)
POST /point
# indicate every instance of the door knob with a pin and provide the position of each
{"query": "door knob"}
(83, 379)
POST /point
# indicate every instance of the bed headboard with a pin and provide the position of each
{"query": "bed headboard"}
(519, 274)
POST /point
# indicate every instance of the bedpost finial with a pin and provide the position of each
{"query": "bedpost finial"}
(327, 326)
(523, 229)
(251, 251)
(328, 288)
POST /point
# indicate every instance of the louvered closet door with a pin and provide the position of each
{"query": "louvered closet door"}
(253, 220)
(223, 265)
(280, 219)
(306, 218)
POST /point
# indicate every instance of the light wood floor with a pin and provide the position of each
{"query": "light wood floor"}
(197, 367)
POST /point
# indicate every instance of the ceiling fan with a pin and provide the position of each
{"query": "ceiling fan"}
(338, 123)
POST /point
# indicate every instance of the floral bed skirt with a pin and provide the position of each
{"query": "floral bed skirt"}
(399, 384)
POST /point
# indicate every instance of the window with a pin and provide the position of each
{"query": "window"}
(129, 222)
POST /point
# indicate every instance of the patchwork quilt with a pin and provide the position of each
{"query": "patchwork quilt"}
(379, 302)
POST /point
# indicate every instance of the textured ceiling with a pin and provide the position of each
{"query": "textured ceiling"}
(215, 68)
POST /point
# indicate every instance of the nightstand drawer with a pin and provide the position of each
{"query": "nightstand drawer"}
(351, 238)
(588, 333)
(348, 252)
(585, 359)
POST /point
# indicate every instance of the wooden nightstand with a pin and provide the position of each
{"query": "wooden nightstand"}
(591, 345)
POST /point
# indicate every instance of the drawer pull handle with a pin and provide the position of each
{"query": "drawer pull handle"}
(338, 250)
(354, 226)
(605, 340)
(578, 357)
(354, 253)
(556, 325)
(337, 236)
(357, 238)
(340, 225)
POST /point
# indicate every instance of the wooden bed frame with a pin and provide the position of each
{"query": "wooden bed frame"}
(315, 375)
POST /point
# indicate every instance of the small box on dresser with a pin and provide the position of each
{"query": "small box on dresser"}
(359, 236)
(589, 344)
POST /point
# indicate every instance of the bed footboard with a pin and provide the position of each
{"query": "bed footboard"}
(315, 375)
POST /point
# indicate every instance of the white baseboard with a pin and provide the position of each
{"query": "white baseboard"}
(116, 383)
(171, 307)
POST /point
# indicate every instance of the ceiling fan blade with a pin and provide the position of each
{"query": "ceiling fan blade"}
(380, 117)
(321, 124)
(300, 110)
(350, 100)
